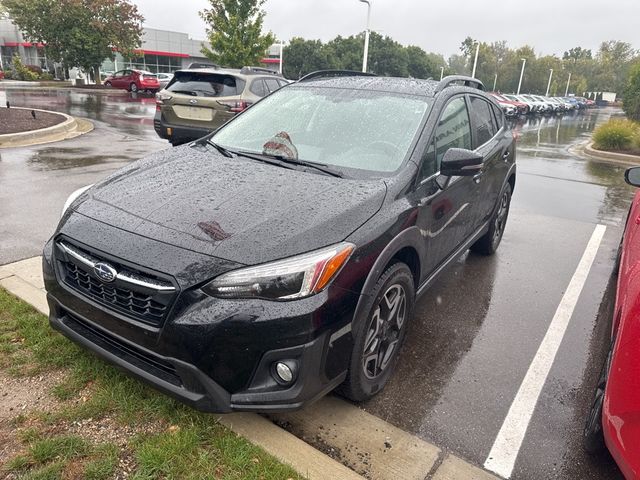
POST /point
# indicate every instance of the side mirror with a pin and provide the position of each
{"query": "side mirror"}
(460, 162)
(632, 176)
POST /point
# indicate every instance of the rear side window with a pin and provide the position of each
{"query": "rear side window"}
(272, 84)
(499, 117)
(453, 131)
(483, 121)
(199, 84)
(258, 88)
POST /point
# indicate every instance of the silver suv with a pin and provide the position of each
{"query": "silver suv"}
(198, 101)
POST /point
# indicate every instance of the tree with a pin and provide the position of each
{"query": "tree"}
(79, 33)
(387, 57)
(235, 32)
(422, 65)
(577, 53)
(631, 96)
(304, 56)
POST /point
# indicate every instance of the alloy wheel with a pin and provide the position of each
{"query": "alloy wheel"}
(501, 217)
(383, 333)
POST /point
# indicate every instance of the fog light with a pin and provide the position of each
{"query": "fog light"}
(284, 372)
(169, 131)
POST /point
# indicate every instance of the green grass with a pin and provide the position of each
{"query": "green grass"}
(187, 444)
(49, 457)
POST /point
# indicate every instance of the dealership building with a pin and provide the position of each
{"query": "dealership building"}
(161, 51)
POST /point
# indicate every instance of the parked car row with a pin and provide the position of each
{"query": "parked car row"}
(514, 105)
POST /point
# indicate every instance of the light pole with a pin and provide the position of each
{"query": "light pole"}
(495, 82)
(524, 62)
(549, 84)
(281, 56)
(566, 92)
(475, 61)
(441, 73)
(366, 36)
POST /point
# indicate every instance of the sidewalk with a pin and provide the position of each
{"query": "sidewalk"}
(372, 447)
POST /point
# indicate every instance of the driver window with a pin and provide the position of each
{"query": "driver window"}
(453, 131)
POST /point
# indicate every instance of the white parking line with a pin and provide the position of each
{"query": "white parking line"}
(504, 452)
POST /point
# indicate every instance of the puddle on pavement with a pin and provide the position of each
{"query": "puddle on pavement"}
(61, 159)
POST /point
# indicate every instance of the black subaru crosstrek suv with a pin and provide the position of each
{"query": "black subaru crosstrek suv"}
(280, 257)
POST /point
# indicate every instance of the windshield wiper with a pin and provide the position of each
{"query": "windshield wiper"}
(317, 166)
(220, 148)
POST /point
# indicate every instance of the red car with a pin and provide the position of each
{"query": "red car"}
(523, 108)
(614, 419)
(133, 80)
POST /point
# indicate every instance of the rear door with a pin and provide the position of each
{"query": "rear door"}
(489, 140)
(202, 99)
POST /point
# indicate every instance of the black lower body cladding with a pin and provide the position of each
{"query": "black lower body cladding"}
(214, 354)
(177, 134)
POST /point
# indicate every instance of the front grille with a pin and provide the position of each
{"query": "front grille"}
(146, 361)
(133, 293)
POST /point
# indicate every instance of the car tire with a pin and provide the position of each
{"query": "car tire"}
(489, 242)
(133, 87)
(377, 340)
(107, 84)
(593, 436)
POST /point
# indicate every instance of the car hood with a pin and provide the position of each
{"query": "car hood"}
(237, 209)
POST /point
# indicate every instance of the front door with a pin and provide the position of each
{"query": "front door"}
(445, 214)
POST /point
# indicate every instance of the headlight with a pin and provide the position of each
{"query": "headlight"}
(73, 196)
(293, 277)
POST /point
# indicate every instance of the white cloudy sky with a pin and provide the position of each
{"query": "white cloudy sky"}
(550, 26)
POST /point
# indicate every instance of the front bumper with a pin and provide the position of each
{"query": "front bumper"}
(214, 355)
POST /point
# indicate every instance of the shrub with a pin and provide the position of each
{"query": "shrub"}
(631, 95)
(34, 68)
(616, 134)
(20, 72)
(46, 76)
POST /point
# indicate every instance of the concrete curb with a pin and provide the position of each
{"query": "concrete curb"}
(587, 150)
(391, 453)
(69, 128)
(43, 83)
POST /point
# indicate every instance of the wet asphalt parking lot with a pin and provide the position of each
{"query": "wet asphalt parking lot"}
(475, 333)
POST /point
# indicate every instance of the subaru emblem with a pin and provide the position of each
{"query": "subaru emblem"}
(105, 272)
(193, 101)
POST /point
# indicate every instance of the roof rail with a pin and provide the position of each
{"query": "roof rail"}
(457, 79)
(247, 70)
(335, 73)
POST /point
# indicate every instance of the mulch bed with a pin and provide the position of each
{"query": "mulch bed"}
(14, 120)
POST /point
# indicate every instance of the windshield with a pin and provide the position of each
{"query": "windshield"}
(353, 129)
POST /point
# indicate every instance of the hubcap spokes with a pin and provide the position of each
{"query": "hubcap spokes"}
(383, 332)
